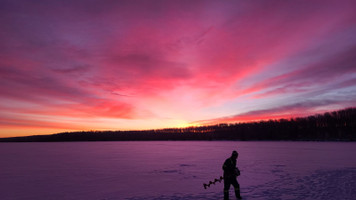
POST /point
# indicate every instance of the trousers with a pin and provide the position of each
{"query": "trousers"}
(231, 181)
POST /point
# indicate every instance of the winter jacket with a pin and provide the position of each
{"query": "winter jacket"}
(230, 169)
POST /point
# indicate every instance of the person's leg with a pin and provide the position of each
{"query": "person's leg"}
(226, 189)
(236, 188)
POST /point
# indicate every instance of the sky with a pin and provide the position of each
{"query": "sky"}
(134, 65)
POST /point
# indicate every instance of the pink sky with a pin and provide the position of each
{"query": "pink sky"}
(129, 65)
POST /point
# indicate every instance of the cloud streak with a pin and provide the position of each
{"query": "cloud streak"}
(299, 109)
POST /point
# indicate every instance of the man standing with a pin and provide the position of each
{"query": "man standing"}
(230, 174)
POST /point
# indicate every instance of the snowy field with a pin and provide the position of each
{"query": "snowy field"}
(175, 170)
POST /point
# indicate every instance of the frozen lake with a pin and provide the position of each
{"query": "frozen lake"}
(175, 170)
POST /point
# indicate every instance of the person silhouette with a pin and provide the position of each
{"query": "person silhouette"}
(230, 174)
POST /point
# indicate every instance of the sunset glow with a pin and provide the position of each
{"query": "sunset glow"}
(134, 65)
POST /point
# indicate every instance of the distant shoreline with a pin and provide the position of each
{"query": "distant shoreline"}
(331, 126)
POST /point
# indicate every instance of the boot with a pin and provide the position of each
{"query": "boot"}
(237, 193)
(226, 194)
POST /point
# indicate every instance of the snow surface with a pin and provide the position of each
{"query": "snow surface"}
(175, 170)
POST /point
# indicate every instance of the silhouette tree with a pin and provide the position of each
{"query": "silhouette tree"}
(338, 125)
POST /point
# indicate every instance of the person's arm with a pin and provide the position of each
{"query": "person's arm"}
(228, 167)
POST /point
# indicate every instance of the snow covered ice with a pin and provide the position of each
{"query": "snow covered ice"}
(176, 170)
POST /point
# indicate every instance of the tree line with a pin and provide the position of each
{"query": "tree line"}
(331, 126)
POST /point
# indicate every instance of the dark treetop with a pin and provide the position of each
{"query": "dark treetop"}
(331, 126)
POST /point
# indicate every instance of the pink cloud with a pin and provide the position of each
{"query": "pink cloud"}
(325, 71)
(170, 59)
